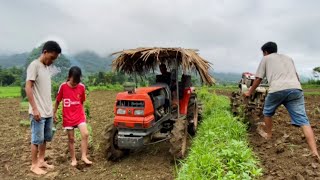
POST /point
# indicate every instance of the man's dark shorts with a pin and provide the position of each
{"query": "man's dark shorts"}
(293, 100)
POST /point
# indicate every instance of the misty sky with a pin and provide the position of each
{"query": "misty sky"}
(228, 33)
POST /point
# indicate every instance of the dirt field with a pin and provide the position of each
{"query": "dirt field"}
(154, 162)
(285, 156)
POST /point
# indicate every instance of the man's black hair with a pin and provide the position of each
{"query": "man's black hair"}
(75, 73)
(270, 47)
(51, 46)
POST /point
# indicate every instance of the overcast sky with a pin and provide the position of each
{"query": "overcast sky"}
(228, 33)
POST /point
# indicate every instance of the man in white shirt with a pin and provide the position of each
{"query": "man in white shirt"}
(284, 88)
(38, 90)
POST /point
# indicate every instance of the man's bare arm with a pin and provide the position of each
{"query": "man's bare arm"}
(29, 92)
(254, 86)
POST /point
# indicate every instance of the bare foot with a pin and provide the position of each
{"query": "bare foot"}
(262, 133)
(37, 170)
(86, 160)
(74, 162)
(44, 164)
(316, 157)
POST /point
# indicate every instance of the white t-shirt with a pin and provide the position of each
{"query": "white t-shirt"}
(280, 72)
(40, 74)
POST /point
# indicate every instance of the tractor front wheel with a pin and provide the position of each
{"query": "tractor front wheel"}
(113, 152)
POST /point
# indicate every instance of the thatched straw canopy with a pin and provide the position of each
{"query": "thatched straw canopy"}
(143, 60)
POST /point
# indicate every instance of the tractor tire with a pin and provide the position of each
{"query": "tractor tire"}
(193, 116)
(178, 140)
(200, 111)
(112, 151)
(248, 108)
(236, 102)
(256, 107)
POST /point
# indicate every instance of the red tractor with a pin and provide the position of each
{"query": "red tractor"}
(167, 110)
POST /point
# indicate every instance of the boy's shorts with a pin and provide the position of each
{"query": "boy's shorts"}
(76, 126)
(41, 130)
(293, 100)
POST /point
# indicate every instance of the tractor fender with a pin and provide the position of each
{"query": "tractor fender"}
(185, 101)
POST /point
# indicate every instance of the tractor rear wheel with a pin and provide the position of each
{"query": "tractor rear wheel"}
(200, 109)
(113, 152)
(193, 116)
(179, 136)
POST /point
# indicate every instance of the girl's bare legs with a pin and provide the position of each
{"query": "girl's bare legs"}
(84, 143)
(71, 147)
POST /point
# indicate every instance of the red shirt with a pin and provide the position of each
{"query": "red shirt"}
(73, 98)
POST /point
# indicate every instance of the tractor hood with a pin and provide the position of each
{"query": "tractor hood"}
(139, 91)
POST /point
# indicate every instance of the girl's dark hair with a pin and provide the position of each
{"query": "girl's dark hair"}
(75, 73)
(270, 47)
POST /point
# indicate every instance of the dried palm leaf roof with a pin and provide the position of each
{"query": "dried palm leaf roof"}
(143, 60)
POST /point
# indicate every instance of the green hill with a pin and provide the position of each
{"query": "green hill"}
(91, 62)
(226, 78)
(17, 60)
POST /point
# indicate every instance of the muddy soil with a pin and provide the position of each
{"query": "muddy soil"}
(286, 155)
(153, 162)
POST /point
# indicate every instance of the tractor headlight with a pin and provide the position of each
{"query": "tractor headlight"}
(139, 112)
(121, 111)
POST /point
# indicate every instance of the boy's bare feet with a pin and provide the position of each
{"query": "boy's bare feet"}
(44, 164)
(37, 170)
(86, 160)
(74, 162)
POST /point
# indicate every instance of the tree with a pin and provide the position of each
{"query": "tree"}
(7, 79)
(316, 72)
(10, 76)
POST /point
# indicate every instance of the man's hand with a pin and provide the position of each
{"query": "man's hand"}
(36, 114)
(247, 94)
(55, 119)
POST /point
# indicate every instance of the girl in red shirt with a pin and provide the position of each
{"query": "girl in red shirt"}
(72, 95)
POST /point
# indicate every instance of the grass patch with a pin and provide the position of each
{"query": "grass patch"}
(25, 123)
(113, 87)
(310, 86)
(316, 93)
(24, 106)
(220, 149)
(229, 88)
(9, 92)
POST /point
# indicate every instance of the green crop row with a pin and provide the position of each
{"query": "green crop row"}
(220, 149)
